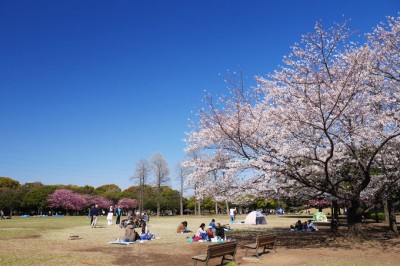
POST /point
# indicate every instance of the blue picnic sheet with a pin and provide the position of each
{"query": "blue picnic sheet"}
(118, 242)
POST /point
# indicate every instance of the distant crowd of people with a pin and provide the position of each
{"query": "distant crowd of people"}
(94, 213)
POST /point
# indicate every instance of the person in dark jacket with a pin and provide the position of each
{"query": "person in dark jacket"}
(95, 215)
(298, 226)
(220, 231)
(119, 213)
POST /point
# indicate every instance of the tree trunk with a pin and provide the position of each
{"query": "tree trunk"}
(181, 197)
(227, 207)
(195, 193)
(392, 217)
(199, 207)
(158, 200)
(354, 221)
(181, 203)
(386, 210)
(216, 207)
(142, 198)
(335, 212)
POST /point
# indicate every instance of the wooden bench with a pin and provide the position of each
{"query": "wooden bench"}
(218, 250)
(265, 241)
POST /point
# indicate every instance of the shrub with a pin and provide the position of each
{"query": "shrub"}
(381, 216)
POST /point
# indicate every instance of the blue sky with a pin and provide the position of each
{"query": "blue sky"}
(90, 87)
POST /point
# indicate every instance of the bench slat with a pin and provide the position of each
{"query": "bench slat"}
(200, 257)
(253, 246)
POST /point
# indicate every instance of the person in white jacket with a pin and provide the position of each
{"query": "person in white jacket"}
(110, 215)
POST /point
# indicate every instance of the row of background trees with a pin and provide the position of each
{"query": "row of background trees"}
(33, 198)
(40, 199)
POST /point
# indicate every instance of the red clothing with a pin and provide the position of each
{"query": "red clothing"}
(210, 233)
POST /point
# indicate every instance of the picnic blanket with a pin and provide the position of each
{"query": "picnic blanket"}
(118, 242)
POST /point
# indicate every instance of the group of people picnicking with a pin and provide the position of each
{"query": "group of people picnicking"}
(214, 231)
(131, 235)
(307, 226)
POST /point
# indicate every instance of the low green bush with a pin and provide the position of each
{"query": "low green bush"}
(381, 216)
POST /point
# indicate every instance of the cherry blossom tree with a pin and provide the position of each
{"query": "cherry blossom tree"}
(66, 200)
(385, 44)
(317, 124)
(334, 116)
(92, 200)
(127, 204)
(385, 183)
(319, 203)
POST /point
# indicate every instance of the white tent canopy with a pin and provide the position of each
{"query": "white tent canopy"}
(255, 217)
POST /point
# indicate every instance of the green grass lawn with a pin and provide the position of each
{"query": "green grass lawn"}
(20, 227)
(47, 241)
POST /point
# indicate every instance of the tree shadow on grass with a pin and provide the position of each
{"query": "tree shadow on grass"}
(374, 236)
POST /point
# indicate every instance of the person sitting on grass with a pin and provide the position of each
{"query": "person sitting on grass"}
(220, 231)
(182, 228)
(210, 233)
(213, 225)
(146, 235)
(130, 234)
(201, 233)
(311, 226)
(305, 226)
(298, 226)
